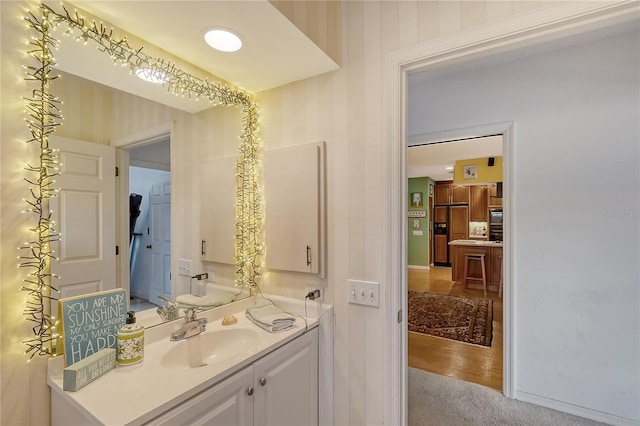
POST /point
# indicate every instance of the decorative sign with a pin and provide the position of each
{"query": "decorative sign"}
(91, 322)
(417, 213)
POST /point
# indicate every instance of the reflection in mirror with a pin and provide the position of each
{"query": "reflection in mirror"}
(114, 115)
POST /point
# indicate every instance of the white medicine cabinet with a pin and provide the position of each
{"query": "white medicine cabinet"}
(295, 230)
(218, 209)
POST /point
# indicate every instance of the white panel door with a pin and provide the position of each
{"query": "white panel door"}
(160, 230)
(294, 203)
(85, 216)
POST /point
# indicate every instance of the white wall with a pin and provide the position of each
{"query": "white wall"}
(576, 211)
(347, 109)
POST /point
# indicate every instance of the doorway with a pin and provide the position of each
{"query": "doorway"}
(473, 363)
(149, 177)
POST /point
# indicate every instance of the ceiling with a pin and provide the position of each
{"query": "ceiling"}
(275, 51)
(432, 160)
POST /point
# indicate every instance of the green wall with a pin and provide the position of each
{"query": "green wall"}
(418, 245)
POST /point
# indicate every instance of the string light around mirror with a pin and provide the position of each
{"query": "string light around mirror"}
(43, 115)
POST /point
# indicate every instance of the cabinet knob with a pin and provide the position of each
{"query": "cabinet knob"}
(263, 381)
(250, 391)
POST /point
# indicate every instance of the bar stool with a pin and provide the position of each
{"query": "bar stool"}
(469, 257)
(500, 270)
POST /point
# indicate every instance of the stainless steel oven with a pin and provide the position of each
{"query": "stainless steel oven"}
(495, 224)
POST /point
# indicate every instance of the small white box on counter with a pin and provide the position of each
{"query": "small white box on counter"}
(83, 372)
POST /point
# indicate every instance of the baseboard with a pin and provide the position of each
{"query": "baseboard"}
(418, 267)
(576, 410)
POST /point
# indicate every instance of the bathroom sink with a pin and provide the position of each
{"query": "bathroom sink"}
(210, 347)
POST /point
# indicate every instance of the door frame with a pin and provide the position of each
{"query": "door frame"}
(123, 144)
(519, 31)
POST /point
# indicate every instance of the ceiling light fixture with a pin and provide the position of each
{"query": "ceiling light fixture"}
(152, 75)
(223, 40)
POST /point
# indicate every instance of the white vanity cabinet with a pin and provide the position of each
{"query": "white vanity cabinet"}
(226, 403)
(286, 384)
(278, 389)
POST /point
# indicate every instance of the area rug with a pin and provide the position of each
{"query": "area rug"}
(458, 318)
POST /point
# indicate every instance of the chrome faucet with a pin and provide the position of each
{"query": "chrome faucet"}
(169, 311)
(192, 326)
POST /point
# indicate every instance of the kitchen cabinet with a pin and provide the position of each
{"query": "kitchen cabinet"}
(218, 209)
(494, 265)
(494, 201)
(441, 249)
(280, 388)
(440, 214)
(446, 193)
(478, 205)
(492, 254)
(459, 194)
(442, 193)
(295, 230)
(458, 223)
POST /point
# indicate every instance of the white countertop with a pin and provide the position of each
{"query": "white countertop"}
(476, 243)
(135, 394)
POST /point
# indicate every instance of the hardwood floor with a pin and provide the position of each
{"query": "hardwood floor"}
(471, 363)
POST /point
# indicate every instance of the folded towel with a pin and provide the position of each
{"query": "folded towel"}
(190, 300)
(270, 317)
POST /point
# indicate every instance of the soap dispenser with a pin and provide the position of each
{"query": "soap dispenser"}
(130, 341)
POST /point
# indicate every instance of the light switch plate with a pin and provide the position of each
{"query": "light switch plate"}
(364, 293)
(184, 267)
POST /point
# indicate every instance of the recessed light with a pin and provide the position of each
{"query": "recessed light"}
(151, 75)
(223, 40)
(449, 168)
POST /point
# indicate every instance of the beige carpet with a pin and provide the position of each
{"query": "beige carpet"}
(443, 401)
(458, 318)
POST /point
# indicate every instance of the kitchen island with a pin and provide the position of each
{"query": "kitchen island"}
(492, 251)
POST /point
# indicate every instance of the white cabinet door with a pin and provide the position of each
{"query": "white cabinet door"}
(218, 209)
(227, 403)
(286, 384)
(294, 197)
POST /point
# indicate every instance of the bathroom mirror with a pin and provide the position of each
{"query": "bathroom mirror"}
(189, 126)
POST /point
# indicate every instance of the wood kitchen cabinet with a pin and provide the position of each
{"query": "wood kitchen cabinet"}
(440, 248)
(492, 263)
(440, 214)
(459, 194)
(458, 223)
(446, 193)
(494, 201)
(478, 205)
(442, 193)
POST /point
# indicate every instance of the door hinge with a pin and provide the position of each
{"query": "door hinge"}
(399, 316)
(203, 247)
(117, 250)
(117, 171)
